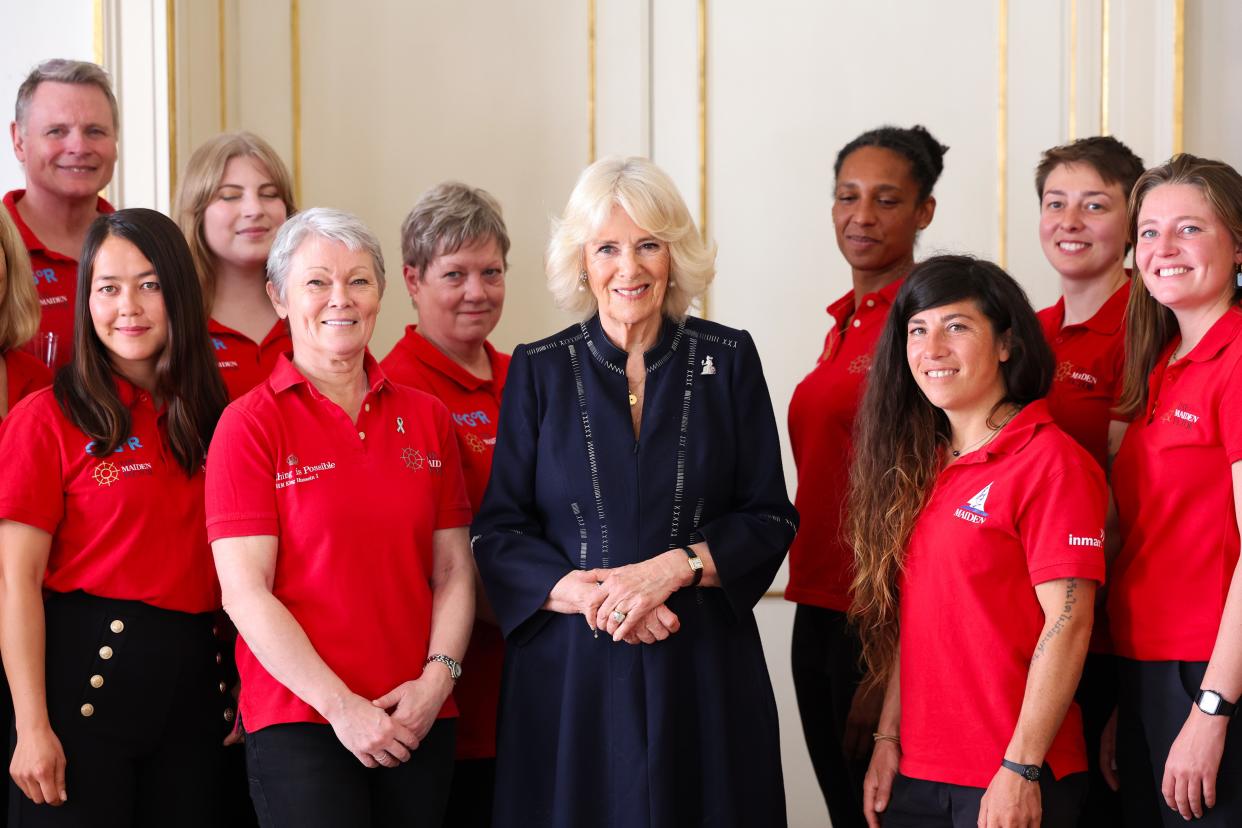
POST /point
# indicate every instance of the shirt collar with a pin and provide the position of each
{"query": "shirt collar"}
(28, 237)
(216, 328)
(425, 352)
(286, 375)
(605, 352)
(844, 308)
(1015, 435)
(1222, 332)
(1107, 320)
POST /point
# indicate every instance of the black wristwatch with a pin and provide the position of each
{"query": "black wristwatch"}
(1028, 772)
(696, 565)
(1211, 703)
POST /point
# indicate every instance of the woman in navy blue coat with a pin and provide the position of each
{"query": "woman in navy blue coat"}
(636, 513)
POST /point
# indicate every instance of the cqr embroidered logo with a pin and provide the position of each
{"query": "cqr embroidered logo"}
(974, 509)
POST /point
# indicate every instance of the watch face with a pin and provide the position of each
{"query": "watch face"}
(1209, 702)
(1031, 773)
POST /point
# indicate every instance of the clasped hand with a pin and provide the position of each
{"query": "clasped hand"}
(637, 591)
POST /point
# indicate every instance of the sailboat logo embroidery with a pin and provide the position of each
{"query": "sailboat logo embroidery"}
(975, 509)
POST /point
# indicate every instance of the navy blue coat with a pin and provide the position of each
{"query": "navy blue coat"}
(595, 733)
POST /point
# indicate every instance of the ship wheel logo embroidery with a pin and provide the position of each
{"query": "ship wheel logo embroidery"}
(1063, 371)
(475, 442)
(412, 458)
(106, 474)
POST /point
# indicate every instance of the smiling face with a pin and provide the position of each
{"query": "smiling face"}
(332, 297)
(1082, 223)
(459, 295)
(127, 308)
(876, 211)
(1186, 254)
(627, 271)
(955, 357)
(241, 221)
(68, 143)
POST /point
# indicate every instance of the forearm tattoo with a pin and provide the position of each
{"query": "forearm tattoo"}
(1067, 611)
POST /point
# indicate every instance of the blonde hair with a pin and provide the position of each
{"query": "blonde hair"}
(651, 199)
(198, 190)
(19, 306)
(1150, 326)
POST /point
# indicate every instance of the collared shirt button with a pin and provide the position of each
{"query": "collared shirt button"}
(366, 407)
(224, 688)
(96, 681)
(362, 435)
(871, 303)
(219, 659)
(229, 714)
(105, 652)
(117, 626)
(88, 710)
(857, 323)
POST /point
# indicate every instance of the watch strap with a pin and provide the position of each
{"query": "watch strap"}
(696, 565)
(1028, 772)
(454, 666)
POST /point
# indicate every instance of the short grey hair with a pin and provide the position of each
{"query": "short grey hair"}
(448, 217)
(324, 223)
(651, 199)
(59, 70)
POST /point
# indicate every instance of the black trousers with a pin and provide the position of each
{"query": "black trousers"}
(824, 655)
(470, 798)
(917, 803)
(133, 694)
(1097, 697)
(1154, 701)
(301, 776)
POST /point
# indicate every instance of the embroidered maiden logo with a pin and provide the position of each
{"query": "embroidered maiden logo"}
(1066, 372)
(1179, 416)
(1084, 540)
(53, 300)
(137, 469)
(226, 363)
(415, 460)
(301, 474)
(973, 511)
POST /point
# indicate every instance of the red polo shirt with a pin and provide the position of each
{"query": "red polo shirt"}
(1026, 509)
(25, 375)
(56, 278)
(126, 526)
(821, 425)
(353, 507)
(1090, 359)
(243, 362)
(474, 405)
(1173, 484)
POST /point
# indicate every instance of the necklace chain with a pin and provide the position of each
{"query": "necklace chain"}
(987, 438)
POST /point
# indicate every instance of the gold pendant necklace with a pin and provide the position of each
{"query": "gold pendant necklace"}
(633, 399)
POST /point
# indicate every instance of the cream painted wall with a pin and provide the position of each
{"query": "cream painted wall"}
(34, 32)
(397, 96)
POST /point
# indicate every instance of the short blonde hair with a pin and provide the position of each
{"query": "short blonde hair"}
(198, 190)
(651, 199)
(19, 306)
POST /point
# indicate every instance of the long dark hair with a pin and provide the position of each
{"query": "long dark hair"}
(899, 434)
(1150, 326)
(186, 376)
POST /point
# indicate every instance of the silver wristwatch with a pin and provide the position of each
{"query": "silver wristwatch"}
(453, 666)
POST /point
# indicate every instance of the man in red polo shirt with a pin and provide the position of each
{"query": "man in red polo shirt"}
(64, 135)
